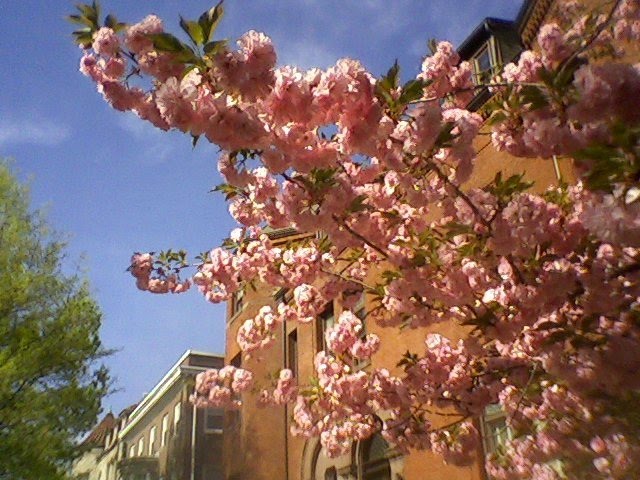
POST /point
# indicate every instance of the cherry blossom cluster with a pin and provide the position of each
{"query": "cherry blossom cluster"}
(542, 281)
(285, 391)
(221, 387)
(156, 278)
(347, 336)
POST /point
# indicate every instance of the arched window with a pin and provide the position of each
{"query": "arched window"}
(322, 466)
(373, 463)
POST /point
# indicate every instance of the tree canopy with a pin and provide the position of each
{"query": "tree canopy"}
(51, 382)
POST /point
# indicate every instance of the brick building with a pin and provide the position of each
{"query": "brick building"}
(163, 437)
(268, 450)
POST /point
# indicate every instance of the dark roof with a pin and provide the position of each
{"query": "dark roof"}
(99, 434)
(127, 411)
(488, 27)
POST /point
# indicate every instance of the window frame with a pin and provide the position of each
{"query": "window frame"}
(479, 75)
(208, 413)
(494, 414)
(237, 302)
(325, 320)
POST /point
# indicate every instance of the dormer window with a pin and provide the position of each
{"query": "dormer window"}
(492, 44)
(484, 64)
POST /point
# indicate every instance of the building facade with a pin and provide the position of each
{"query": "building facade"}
(163, 437)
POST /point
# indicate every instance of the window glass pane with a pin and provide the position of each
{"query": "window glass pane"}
(214, 419)
(237, 361)
(495, 431)
(484, 61)
(373, 462)
(482, 65)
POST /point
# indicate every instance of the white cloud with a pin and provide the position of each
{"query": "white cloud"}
(152, 146)
(306, 54)
(35, 131)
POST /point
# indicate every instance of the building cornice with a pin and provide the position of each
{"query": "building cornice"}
(162, 387)
(530, 18)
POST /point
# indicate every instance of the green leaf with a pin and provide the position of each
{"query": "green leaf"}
(194, 30)
(411, 91)
(534, 97)
(212, 48)
(165, 42)
(506, 189)
(497, 117)
(209, 21)
(187, 55)
(357, 205)
(111, 21)
(433, 45)
(392, 79)
(229, 190)
(79, 20)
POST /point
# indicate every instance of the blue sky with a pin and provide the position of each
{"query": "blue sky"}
(116, 185)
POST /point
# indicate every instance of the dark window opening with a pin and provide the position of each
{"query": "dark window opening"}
(323, 322)
(292, 352)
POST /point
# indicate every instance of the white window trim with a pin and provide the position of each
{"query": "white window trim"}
(152, 440)
(177, 410)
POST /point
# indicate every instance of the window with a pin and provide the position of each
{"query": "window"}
(292, 352)
(280, 295)
(485, 62)
(176, 416)
(141, 446)
(323, 467)
(214, 420)
(165, 430)
(323, 322)
(238, 301)
(482, 66)
(152, 440)
(356, 301)
(372, 461)
(495, 432)
(132, 451)
(359, 309)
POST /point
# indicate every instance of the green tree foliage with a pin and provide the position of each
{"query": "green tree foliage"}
(50, 381)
